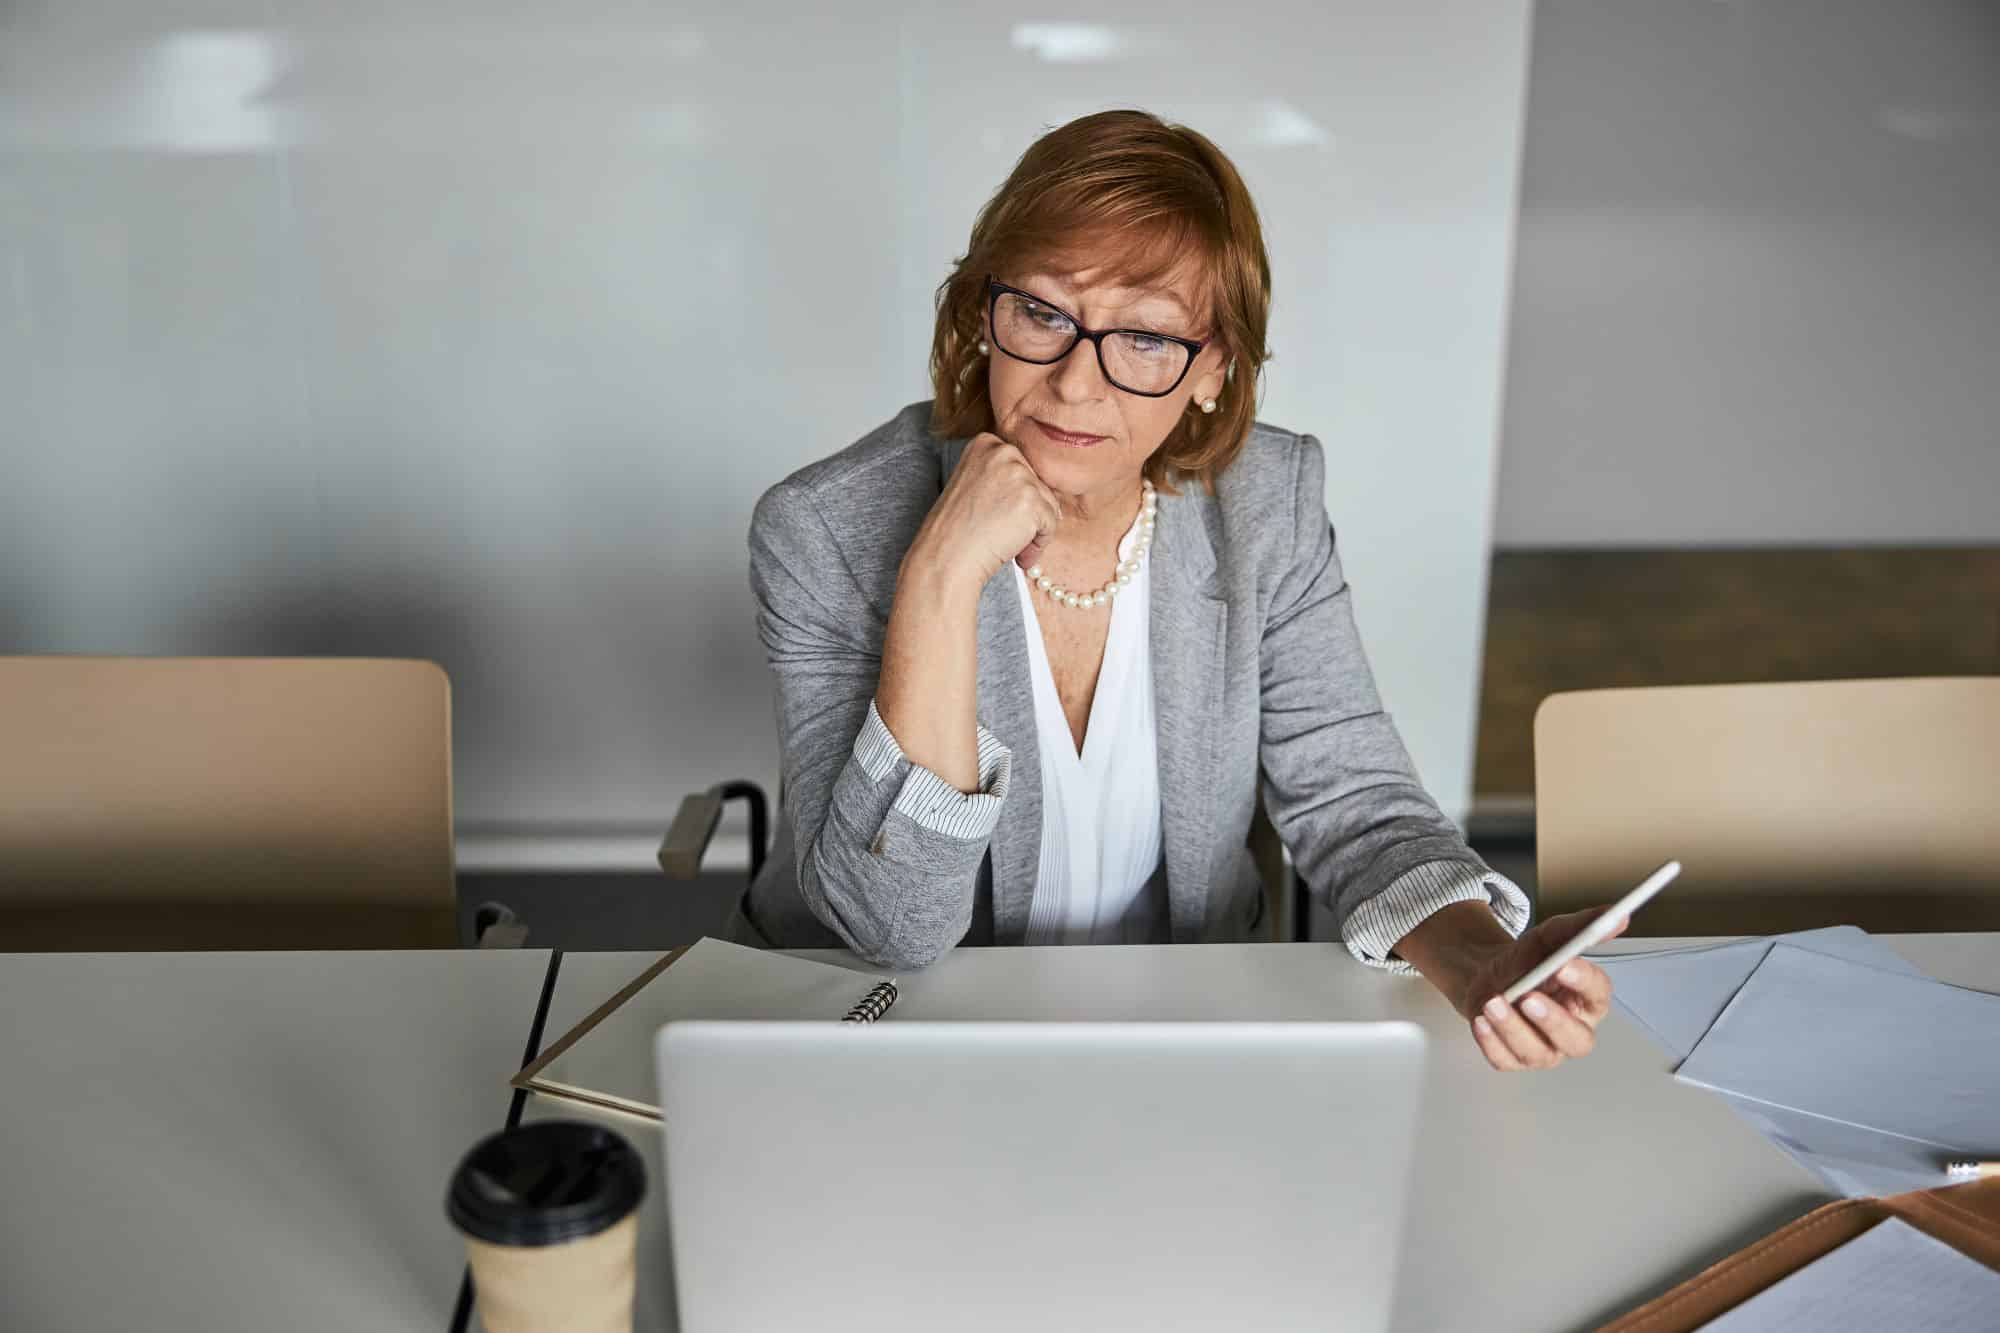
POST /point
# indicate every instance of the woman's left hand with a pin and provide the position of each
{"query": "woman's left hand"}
(1555, 1021)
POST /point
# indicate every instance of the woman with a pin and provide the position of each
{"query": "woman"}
(1037, 640)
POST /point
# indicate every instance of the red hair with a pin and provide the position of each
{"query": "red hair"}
(1150, 201)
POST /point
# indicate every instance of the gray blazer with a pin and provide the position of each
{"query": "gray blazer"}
(1257, 671)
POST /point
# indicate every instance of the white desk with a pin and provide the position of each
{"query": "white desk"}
(212, 1141)
(222, 1141)
(1541, 1202)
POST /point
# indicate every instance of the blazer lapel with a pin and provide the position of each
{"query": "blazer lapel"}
(1187, 647)
(1007, 709)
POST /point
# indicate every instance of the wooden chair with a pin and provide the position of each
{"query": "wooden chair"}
(1867, 802)
(226, 803)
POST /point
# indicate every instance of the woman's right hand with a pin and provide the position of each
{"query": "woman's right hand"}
(993, 509)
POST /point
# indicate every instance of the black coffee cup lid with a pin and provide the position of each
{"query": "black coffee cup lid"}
(545, 1183)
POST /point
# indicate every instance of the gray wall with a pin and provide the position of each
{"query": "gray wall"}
(1757, 291)
(472, 330)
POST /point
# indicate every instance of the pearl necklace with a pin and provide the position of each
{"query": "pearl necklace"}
(1102, 596)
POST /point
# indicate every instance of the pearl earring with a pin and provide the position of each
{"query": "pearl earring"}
(1207, 405)
(983, 348)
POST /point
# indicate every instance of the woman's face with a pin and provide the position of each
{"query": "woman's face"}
(1083, 436)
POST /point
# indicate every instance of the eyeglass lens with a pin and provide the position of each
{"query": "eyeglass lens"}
(1139, 362)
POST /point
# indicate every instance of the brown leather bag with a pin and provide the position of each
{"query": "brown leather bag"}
(1965, 1217)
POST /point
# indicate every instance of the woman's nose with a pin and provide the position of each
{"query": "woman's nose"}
(1078, 375)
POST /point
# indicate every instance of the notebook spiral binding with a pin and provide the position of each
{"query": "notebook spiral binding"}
(872, 1005)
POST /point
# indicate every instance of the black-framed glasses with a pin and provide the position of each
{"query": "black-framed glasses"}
(1139, 361)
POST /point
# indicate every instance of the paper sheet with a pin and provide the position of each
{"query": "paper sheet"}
(1874, 1050)
(1891, 1276)
(1854, 1162)
(1676, 995)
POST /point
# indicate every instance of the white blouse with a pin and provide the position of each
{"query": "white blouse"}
(1103, 877)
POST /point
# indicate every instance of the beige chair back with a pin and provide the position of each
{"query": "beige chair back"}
(1867, 802)
(173, 803)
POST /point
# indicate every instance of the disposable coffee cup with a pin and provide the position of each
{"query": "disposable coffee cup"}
(550, 1217)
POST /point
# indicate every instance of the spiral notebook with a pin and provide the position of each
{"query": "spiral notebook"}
(606, 1061)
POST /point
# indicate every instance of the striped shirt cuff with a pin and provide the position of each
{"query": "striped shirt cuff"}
(930, 801)
(1374, 928)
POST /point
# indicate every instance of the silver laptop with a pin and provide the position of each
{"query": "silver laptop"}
(973, 1176)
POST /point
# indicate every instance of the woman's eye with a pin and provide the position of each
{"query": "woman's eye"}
(1146, 344)
(1047, 318)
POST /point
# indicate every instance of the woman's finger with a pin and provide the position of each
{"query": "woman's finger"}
(1046, 512)
(1559, 1027)
(1493, 1048)
(1557, 931)
(1586, 990)
(1527, 1044)
(1031, 480)
(1031, 554)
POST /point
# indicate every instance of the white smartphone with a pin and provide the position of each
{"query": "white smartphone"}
(1595, 932)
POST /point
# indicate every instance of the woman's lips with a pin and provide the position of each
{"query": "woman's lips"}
(1066, 437)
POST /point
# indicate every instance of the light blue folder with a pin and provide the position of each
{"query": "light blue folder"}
(1897, 1074)
(1676, 996)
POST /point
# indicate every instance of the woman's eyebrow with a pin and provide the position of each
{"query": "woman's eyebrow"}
(1178, 313)
(1174, 319)
(1158, 295)
(1062, 282)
